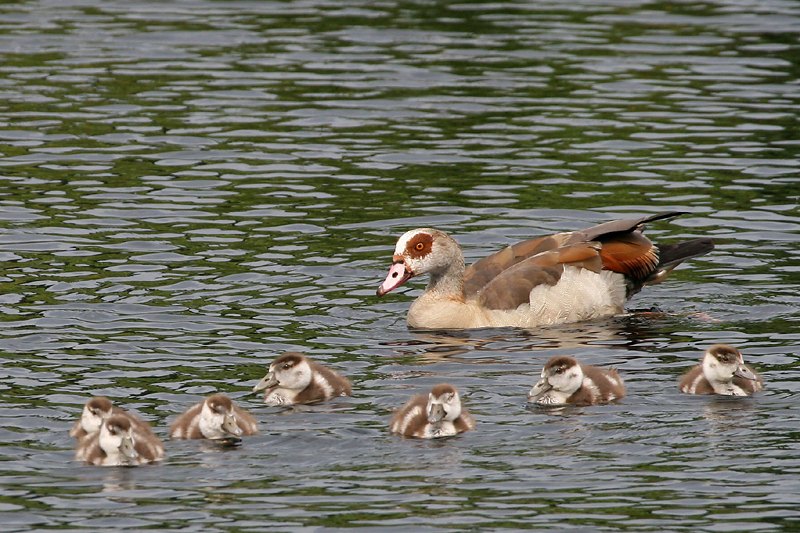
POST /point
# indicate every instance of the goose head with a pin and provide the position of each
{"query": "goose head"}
(423, 251)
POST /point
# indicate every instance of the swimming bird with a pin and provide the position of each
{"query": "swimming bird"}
(565, 381)
(117, 443)
(216, 417)
(439, 414)
(560, 278)
(97, 409)
(721, 371)
(294, 378)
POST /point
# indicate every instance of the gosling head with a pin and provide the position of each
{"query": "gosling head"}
(289, 371)
(218, 419)
(116, 439)
(721, 363)
(444, 404)
(94, 412)
(561, 374)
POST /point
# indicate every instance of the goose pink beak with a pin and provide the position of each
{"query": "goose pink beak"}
(398, 274)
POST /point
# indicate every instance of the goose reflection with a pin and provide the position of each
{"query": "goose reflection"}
(621, 331)
(118, 479)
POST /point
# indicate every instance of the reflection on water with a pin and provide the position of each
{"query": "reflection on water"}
(189, 189)
(621, 331)
(725, 412)
(118, 480)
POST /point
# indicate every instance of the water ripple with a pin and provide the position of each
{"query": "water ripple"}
(190, 189)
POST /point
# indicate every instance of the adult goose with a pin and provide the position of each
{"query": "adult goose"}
(560, 278)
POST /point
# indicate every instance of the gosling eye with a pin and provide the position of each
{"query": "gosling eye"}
(287, 366)
(560, 370)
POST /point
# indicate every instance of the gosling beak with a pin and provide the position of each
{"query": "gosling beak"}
(230, 426)
(541, 387)
(266, 382)
(398, 274)
(127, 448)
(436, 414)
(744, 372)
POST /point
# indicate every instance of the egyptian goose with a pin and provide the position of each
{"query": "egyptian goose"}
(97, 409)
(721, 371)
(565, 277)
(439, 414)
(118, 443)
(293, 378)
(217, 417)
(565, 381)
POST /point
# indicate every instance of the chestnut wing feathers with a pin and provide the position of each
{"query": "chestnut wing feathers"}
(622, 248)
(632, 255)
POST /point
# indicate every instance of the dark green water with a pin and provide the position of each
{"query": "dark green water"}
(189, 188)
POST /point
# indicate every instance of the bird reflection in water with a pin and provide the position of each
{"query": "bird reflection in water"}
(620, 331)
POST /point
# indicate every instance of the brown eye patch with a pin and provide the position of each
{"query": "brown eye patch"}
(420, 245)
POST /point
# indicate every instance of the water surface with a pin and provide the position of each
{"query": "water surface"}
(191, 188)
